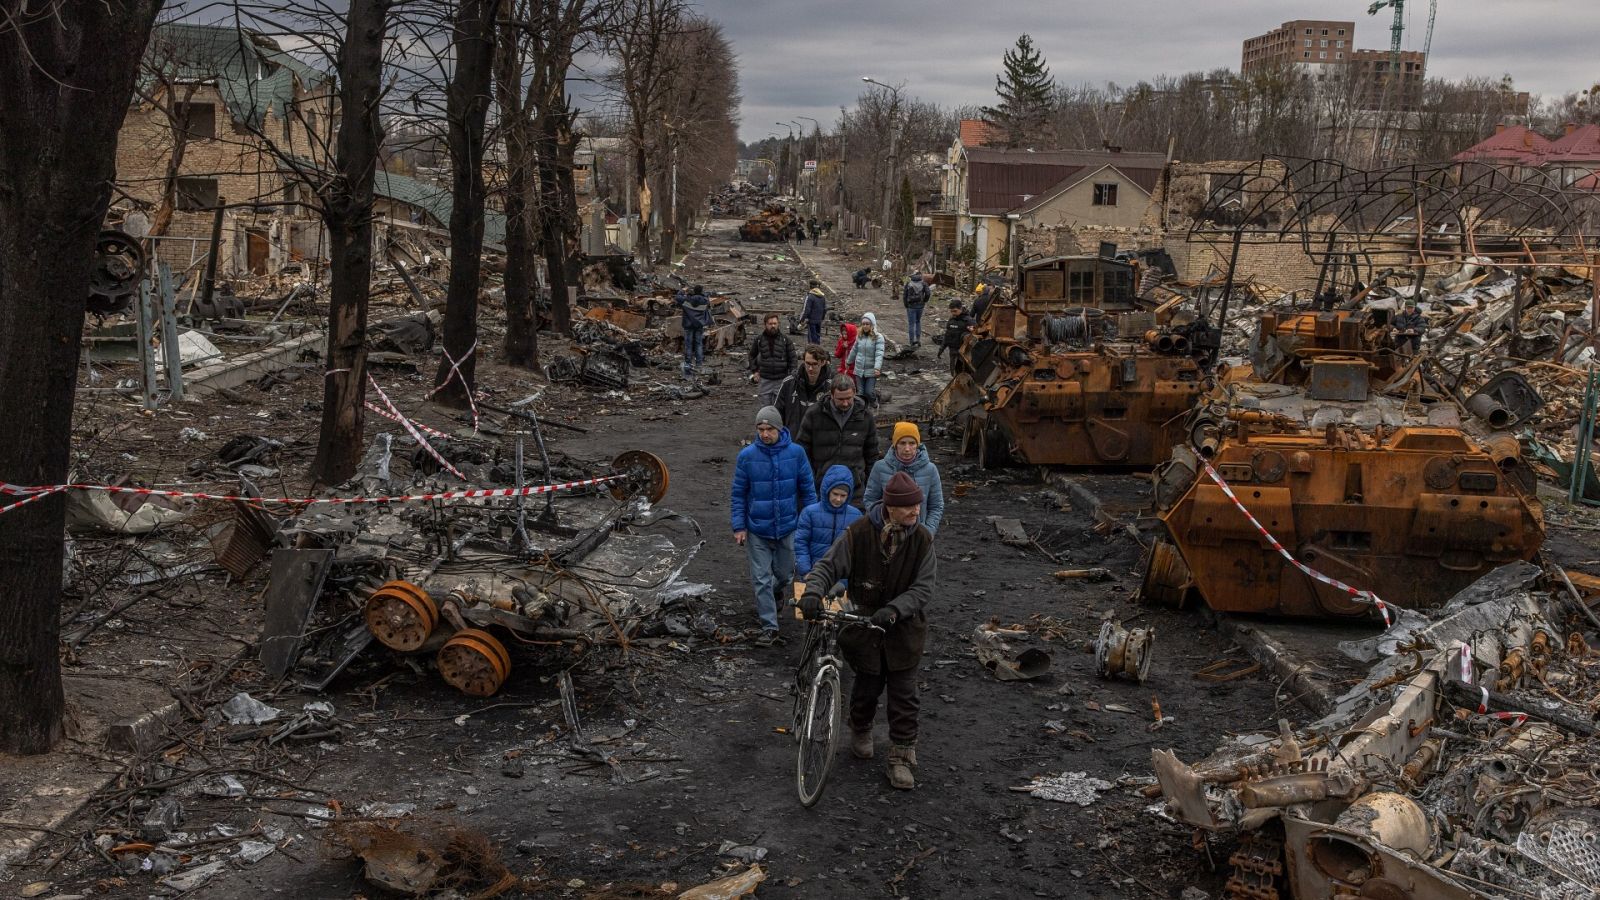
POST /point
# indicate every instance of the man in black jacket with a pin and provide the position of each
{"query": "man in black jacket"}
(771, 360)
(696, 310)
(955, 331)
(815, 312)
(804, 387)
(840, 431)
(888, 558)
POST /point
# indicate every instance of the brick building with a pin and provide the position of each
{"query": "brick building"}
(1307, 42)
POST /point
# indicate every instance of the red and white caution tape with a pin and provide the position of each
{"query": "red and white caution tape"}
(30, 494)
(1357, 593)
(455, 373)
(415, 434)
(421, 427)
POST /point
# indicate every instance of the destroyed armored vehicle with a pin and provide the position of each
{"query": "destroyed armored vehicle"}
(769, 226)
(1374, 478)
(1072, 369)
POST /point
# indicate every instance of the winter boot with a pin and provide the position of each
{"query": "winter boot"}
(861, 743)
(902, 759)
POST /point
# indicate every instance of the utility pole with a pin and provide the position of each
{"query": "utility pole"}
(894, 159)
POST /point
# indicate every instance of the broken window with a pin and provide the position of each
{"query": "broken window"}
(1105, 195)
(197, 121)
(197, 193)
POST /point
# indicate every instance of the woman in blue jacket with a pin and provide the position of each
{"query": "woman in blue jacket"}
(907, 454)
(823, 521)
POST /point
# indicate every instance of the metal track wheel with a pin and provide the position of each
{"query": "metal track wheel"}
(643, 473)
(1166, 577)
(474, 662)
(401, 615)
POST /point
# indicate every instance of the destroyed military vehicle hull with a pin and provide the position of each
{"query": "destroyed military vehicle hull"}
(1391, 496)
(770, 226)
(1071, 372)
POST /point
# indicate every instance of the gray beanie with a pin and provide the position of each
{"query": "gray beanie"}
(769, 415)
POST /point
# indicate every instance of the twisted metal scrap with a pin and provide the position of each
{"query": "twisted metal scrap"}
(1441, 209)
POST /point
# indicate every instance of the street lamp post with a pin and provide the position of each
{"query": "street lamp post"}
(894, 159)
(816, 154)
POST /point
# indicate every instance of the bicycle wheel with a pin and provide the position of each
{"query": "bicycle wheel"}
(799, 689)
(814, 759)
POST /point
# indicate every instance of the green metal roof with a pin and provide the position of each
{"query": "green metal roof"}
(253, 74)
(436, 200)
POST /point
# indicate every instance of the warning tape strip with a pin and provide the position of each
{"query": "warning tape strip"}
(423, 428)
(455, 374)
(1356, 593)
(1515, 718)
(415, 434)
(30, 494)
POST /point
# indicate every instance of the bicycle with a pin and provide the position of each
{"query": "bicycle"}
(817, 702)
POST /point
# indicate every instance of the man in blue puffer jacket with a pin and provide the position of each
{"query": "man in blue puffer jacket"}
(771, 485)
(907, 454)
(822, 522)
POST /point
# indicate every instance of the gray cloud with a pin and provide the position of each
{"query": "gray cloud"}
(807, 58)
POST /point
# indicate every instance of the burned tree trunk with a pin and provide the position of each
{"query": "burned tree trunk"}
(347, 213)
(521, 345)
(554, 212)
(466, 109)
(66, 77)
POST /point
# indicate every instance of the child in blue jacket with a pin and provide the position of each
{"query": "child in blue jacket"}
(823, 521)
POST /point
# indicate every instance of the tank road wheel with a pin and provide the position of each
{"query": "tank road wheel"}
(992, 450)
(644, 473)
(474, 662)
(1166, 577)
(401, 615)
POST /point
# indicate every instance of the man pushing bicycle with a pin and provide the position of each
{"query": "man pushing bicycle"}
(888, 558)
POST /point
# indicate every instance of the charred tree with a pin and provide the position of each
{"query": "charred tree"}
(522, 325)
(558, 204)
(466, 110)
(347, 215)
(66, 77)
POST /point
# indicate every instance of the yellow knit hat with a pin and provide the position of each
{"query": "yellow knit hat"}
(905, 430)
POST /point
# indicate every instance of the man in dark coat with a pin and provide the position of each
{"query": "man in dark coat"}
(815, 312)
(772, 358)
(889, 561)
(804, 387)
(840, 431)
(696, 315)
(915, 297)
(955, 331)
(1409, 327)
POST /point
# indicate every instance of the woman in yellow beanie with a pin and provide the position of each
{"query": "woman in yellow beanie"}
(907, 454)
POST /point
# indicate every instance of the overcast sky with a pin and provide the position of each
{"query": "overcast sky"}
(806, 57)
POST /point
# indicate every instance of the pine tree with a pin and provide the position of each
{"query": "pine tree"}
(1024, 88)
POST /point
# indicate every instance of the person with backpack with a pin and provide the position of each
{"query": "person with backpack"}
(915, 297)
(815, 312)
(866, 357)
(955, 331)
(695, 309)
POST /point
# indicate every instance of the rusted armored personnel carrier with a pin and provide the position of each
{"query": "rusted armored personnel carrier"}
(1071, 369)
(1391, 493)
(768, 226)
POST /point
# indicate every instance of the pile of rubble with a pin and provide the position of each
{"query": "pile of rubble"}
(1461, 766)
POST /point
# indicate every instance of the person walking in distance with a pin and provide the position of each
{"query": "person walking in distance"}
(772, 358)
(955, 331)
(804, 387)
(915, 297)
(695, 309)
(908, 454)
(866, 357)
(889, 560)
(840, 431)
(815, 312)
(772, 483)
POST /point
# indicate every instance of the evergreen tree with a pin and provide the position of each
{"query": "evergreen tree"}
(1025, 89)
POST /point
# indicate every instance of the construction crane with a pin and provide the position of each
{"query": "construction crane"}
(1399, 26)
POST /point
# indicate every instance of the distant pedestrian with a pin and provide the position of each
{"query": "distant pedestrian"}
(982, 297)
(841, 347)
(908, 454)
(815, 312)
(955, 331)
(822, 522)
(861, 278)
(816, 231)
(804, 387)
(772, 358)
(840, 431)
(696, 316)
(772, 483)
(915, 297)
(866, 357)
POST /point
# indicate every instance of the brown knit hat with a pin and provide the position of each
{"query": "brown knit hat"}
(902, 491)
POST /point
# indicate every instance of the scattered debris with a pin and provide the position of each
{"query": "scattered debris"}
(998, 657)
(732, 887)
(244, 709)
(1122, 651)
(1068, 787)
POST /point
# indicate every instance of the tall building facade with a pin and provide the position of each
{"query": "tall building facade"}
(1307, 42)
